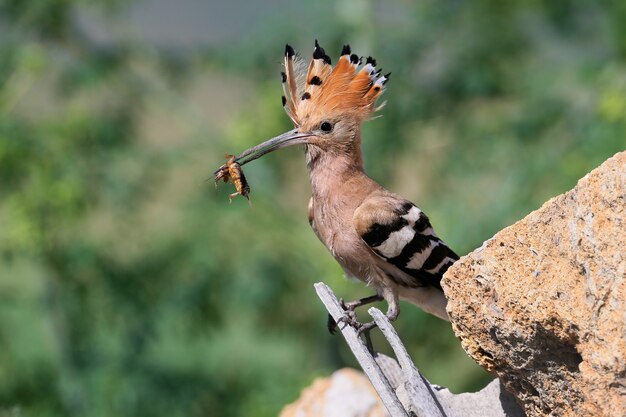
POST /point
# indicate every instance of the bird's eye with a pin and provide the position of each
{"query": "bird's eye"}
(326, 126)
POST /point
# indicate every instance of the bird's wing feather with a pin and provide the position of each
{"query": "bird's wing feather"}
(401, 234)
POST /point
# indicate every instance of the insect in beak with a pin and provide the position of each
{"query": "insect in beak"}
(231, 170)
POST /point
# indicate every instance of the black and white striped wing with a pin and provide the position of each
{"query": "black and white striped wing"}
(402, 235)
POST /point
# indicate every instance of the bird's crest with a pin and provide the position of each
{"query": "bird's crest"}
(320, 87)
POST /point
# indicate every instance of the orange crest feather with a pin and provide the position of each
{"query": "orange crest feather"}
(344, 88)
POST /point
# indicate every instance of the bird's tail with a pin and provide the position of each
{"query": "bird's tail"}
(430, 299)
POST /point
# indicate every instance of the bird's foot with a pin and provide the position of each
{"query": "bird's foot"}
(348, 318)
(365, 327)
(392, 315)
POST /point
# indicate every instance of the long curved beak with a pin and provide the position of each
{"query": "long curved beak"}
(292, 137)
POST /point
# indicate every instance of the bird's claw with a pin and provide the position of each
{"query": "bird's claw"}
(364, 327)
(349, 318)
(331, 324)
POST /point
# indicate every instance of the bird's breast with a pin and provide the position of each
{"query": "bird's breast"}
(332, 223)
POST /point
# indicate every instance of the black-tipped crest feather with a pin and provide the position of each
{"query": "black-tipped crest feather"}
(319, 53)
(289, 51)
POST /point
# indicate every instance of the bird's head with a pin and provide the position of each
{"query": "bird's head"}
(326, 104)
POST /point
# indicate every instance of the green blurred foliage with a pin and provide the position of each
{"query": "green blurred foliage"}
(128, 284)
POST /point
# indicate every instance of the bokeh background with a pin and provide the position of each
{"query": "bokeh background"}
(129, 286)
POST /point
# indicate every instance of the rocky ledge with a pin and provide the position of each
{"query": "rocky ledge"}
(541, 305)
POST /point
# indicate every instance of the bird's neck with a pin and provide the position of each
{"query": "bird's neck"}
(331, 169)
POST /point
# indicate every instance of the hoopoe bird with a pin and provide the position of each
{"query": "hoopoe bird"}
(378, 237)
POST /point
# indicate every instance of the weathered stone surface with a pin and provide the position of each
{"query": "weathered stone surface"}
(346, 393)
(542, 304)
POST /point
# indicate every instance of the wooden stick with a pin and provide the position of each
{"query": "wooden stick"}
(369, 365)
(420, 392)
(421, 398)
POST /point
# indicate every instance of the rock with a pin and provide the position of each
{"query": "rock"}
(491, 401)
(346, 393)
(542, 305)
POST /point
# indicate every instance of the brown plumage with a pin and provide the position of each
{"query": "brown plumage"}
(377, 236)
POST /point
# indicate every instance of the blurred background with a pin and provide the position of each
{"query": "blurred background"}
(129, 286)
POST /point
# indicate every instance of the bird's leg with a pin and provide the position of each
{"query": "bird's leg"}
(349, 316)
(393, 310)
(352, 305)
